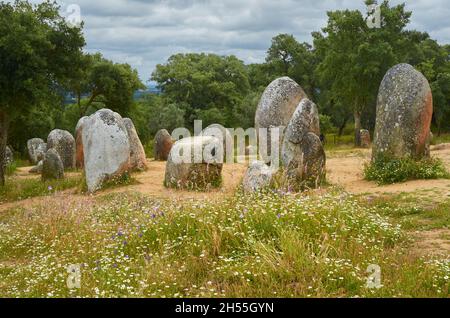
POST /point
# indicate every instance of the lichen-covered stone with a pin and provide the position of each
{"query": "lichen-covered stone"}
(52, 166)
(404, 113)
(365, 138)
(106, 148)
(64, 143)
(304, 120)
(9, 156)
(79, 158)
(38, 168)
(163, 145)
(36, 150)
(305, 163)
(138, 160)
(194, 164)
(275, 109)
(258, 177)
(302, 154)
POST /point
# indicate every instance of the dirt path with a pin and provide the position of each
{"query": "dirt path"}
(347, 172)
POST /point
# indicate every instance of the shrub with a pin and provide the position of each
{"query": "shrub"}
(385, 170)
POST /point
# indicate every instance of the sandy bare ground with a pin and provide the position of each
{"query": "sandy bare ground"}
(346, 170)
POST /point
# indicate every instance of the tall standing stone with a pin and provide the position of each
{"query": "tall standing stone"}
(64, 143)
(106, 148)
(404, 113)
(302, 153)
(163, 145)
(138, 160)
(52, 166)
(275, 109)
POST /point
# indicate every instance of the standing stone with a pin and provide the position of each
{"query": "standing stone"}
(163, 145)
(38, 168)
(36, 150)
(9, 156)
(79, 157)
(106, 148)
(278, 102)
(404, 113)
(52, 166)
(64, 143)
(194, 164)
(365, 138)
(302, 153)
(258, 176)
(138, 160)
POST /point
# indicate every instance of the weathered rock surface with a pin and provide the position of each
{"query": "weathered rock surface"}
(275, 109)
(302, 153)
(258, 176)
(64, 143)
(106, 148)
(138, 160)
(194, 163)
(9, 156)
(365, 138)
(79, 157)
(52, 166)
(404, 113)
(163, 145)
(36, 150)
(38, 168)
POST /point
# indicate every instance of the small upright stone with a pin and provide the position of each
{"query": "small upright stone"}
(163, 145)
(52, 166)
(9, 156)
(64, 143)
(138, 160)
(404, 113)
(194, 164)
(38, 168)
(36, 150)
(259, 176)
(365, 138)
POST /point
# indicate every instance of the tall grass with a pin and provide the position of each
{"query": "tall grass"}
(262, 245)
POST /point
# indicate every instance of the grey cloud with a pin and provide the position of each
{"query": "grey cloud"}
(145, 33)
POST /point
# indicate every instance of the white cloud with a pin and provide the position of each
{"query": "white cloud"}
(145, 33)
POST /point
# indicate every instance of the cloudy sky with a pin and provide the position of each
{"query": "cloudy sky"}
(144, 33)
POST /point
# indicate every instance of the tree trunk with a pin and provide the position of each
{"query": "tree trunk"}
(357, 116)
(4, 123)
(342, 127)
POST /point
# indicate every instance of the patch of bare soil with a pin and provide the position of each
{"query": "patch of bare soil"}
(151, 182)
(434, 243)
(347, 172)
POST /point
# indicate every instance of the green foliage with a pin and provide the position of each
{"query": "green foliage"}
(326, 125)
(385, 170)
(197, 83)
